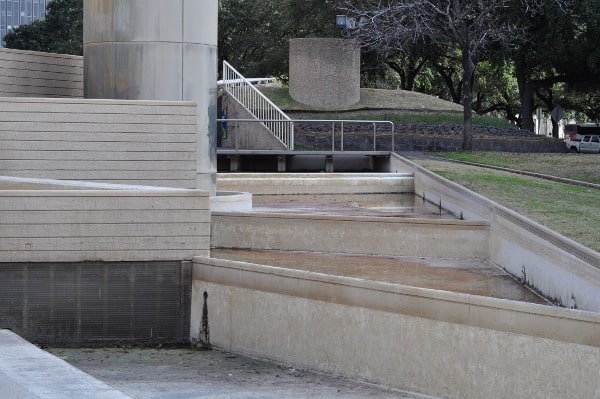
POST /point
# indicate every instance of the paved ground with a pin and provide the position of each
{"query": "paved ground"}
(181, 373)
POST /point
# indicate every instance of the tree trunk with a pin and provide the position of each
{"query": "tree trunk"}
(526, 90)
(468, 71)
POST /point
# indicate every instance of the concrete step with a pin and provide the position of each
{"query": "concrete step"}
(316, 183)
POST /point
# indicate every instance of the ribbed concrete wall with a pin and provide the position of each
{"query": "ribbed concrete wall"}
(88, 262)
(103, 225)
(35, 74)
(131, 142)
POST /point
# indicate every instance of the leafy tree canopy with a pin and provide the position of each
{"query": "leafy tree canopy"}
(254, 34)
(61, 31)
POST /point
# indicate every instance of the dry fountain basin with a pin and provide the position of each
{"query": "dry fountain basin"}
(388, 288)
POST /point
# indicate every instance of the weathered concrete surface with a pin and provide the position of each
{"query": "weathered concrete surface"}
(184, 373)
(476, 277)
(325, 72)
(316, 183)
(150, 143)
(77, 223)
(350, 234)
(157, 50)
(561, 269)
(27, 372)
(37, 74)
(428, 341)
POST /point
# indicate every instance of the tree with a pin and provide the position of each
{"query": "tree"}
(61, 31)
(557, 57)
(469, 26)
(254, 35)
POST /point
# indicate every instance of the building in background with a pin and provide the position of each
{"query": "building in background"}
(19, 12)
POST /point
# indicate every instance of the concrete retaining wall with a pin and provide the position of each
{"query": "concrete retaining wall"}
(351, 235)
(35, 74)
(562, 270)
(316, 183)
(437, 343)
(130, 142)
(118, 224)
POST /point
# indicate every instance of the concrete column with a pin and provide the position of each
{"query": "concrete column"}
(325, 72)
(157, 50)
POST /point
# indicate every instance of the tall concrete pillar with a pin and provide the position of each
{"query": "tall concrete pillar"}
(156, 50)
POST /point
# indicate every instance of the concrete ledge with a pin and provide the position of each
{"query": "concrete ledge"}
(559, 268)
(27, 372)
(578, 327)
(351, 234)
(434, 342)
(290, 161)
(316, 183)
(231, 201)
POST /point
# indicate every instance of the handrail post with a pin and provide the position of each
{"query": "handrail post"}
(291, 123)
(342, 137)
(237, 135)
(393, 137)
(333, 136)
(374, 136)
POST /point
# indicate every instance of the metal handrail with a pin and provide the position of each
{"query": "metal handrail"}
(263, 109)
(333, 123)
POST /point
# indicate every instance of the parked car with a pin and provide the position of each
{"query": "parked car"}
(583, 138)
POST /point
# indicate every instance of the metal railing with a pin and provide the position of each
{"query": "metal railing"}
(263, 109)
(335, 126)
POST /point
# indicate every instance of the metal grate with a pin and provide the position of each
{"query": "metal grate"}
(77, 303)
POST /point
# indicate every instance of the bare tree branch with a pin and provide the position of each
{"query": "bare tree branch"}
(471, 26)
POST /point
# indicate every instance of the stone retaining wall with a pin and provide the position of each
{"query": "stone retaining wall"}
(429, 137)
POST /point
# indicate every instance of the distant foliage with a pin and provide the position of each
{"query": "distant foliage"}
(254, 35)
(61, 31)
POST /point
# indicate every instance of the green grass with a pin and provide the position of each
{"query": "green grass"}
(394, 105)
(583, 167)
(570, 210)
(437, 118)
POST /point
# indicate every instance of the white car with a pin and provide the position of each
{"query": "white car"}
(589, 143)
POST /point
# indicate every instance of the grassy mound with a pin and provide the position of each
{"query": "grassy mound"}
(398, 106)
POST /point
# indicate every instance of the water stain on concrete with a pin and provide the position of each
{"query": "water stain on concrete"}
(476, 277)
(374, 205)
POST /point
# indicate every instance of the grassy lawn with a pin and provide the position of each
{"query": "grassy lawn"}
(370, 99)
(570, 210)
(584, 167)
(394, 105)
